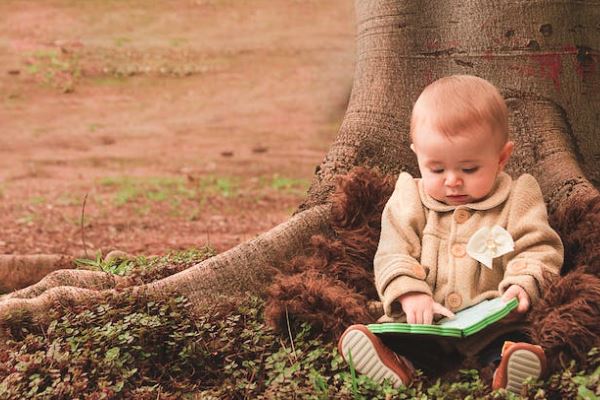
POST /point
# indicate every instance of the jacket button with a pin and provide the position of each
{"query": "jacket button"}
(454, 300)
(458, 250)
(461, 216)
(519, 266)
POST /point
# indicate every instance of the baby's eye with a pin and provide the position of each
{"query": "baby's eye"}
(437, 171)
(470, 170)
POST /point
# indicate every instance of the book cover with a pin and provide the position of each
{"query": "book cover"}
(466, 322)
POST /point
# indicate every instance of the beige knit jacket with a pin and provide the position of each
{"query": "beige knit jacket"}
(422, 247)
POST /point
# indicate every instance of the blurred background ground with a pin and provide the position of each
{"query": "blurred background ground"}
(184, 122)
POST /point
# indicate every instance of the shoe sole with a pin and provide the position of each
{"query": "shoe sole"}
(365, 358)
(521, 365)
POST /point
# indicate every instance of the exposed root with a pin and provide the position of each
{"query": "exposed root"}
(235, 273)
(37, 307)
(19, 271)
(76, 278)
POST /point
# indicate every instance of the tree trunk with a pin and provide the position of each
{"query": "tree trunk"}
(543, 55)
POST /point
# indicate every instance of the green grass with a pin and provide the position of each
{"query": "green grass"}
(156, 189)
(55, 68)
(143, 191)
(121, 41)
(141, 264)
(37, 200)
(69, 199)
(26, 219)
(289, 185)
(223, 186)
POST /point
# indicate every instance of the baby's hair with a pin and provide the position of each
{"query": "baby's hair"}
(456, 102)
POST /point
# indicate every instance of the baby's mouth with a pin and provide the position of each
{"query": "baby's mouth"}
(457, 197)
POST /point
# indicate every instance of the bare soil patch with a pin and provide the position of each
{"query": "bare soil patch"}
(183, 122)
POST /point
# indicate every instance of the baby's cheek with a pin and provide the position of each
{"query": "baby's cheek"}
(483, 186)
(430, 185)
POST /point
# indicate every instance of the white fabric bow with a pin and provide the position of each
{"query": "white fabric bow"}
(489, 243)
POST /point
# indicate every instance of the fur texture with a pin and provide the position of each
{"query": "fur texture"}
(331, 286)
(578, 224)
(565, 321)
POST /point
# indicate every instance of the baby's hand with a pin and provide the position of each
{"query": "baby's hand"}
(420, 308)
(520, 293)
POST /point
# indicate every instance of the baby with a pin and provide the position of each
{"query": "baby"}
(462, 233)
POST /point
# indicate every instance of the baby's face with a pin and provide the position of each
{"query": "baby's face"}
(461, 169)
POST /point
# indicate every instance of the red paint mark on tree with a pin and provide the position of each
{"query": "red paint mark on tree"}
(550, 66)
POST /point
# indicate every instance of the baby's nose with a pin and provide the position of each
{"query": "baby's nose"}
(453, 180)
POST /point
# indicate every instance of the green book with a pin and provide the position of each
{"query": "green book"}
(466, 322)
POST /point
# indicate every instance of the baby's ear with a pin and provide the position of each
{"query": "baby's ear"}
(412, 147)
(505, 154)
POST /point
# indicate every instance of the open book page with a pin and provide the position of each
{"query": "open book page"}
(467, 322)
(472, 315)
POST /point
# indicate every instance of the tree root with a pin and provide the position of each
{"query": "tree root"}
(19, 271)
(76, 278)
(247, 268)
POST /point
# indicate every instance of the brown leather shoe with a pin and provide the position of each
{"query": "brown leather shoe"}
(372, 358)
(519, 362)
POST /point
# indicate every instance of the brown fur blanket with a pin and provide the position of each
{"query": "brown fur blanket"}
(331, 285)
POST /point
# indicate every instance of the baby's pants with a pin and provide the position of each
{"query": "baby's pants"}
(435, 355)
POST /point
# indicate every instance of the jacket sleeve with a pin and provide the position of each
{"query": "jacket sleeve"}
(538, 248)
(396, 268)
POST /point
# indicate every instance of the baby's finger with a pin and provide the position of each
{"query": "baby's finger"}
(428, 317)
(419, 317)
(410, 317)
(510, 293)
(523, 302)
(440, 309)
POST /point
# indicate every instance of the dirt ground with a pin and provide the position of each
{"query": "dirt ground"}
(160, 125)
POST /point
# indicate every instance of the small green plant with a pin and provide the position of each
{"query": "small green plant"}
(37, 200)
(289, 185)
(67, 199)
(56, 68)
(588, 385)
(115, 266)
(121, 41)
(221, 186)
(94, 127)
(178, 42)
(147, 269)
(155, 189)
(26, 219)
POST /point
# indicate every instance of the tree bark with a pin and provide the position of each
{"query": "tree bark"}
(17, 271)
(534, 50)
(543, 55)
